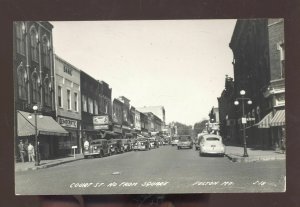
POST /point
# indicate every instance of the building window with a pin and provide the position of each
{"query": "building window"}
(84, 103)
(22, 78)
(34, 45)
(47, 94)
(35, 88)
(45, 52)
(69, 99)
(76, 101)
(96, 107)
(20, 38)
(282, 58)
(91, 107)
(59, 92)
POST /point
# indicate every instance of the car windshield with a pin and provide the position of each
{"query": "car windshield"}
(212, 139)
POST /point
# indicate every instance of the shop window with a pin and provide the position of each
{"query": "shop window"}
(20, 38)
(59, 96)
(34, 51)
(69, 99)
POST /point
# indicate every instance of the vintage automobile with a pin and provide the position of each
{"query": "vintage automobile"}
(174, 142)
(198, 139)
(141, 144)
(96, 148)
(185, 141)
(211, 144)
(153, 142)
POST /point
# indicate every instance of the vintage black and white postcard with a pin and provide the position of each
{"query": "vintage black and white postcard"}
(149, 106)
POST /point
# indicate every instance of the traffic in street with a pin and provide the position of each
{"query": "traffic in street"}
(166, 169)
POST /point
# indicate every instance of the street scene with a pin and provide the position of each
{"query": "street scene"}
(138, 107)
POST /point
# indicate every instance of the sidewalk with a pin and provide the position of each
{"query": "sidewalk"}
(25, 166)
(235, 154)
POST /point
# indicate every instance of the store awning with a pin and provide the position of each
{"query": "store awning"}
(278, 119)
(265, 122)
(45, 125)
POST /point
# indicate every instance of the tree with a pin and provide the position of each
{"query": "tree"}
(200, 126)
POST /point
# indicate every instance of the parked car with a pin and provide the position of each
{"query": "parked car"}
(96, 148)
(114, 146)
(154, 143)
(185, 141)
(211, 144)
(141, 144)
(198, 139)
(174, 142)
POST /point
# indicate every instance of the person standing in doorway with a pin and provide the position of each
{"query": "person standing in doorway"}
(21, 150)
(30, 150)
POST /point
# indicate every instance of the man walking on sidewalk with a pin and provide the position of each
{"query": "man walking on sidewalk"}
(30, 150)
(21, 150)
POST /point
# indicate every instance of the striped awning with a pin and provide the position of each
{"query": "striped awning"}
(265, 122)
(278, 119)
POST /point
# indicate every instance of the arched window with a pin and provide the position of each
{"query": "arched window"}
(45, 52)
(34, 51)
(20, 38)
(22, 79)
(47, 93)
(36, 97)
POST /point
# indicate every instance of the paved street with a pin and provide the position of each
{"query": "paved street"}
(162, 170)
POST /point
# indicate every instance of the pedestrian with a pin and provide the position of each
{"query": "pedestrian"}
(30, 150)
(21, 150)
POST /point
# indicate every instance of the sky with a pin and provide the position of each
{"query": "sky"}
(178, 64)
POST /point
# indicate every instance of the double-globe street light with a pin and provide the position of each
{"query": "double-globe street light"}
(244, 120)
(37, 157)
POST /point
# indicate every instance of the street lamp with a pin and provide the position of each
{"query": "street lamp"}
(244, 121)
(37, 158)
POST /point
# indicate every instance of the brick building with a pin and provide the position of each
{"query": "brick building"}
(34, 86)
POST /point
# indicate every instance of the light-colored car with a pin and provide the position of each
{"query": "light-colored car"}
(198, 139)
(174, 142)
(185, 141)
(141, 144)
(211, 144)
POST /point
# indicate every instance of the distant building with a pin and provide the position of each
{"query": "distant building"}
(158, 111)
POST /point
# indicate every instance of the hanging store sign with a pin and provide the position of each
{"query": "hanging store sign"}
(97, 127)
(67, 122)
(99, 120)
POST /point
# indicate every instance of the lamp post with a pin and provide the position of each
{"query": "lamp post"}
(244, 121)
(37, 157)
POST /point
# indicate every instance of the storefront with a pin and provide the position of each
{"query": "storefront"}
(278, 128)
(49, 133)
(73, 127)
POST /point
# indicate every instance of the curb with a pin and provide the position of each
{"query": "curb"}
(235, 158)
(46, 165)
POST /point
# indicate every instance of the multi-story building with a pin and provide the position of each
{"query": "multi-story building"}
(137, 122)
(214, 120)
(227, 112)
(144, 124)
(126, 123)
(258, 49)
(117, 116)
(34, 86)
(68, 103)
(275, 91)
(159, 111)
